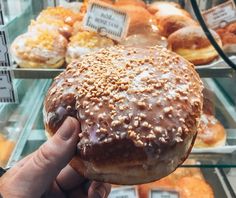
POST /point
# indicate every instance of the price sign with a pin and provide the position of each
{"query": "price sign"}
(106, 20)
(221, 15)
(4, 54)
(124, 192)
(7, 94)
(163, 194)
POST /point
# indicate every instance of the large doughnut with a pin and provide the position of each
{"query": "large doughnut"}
(138, 109)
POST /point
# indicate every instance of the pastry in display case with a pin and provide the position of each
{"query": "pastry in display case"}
(192, 43)
(140, 99)
(149, 25)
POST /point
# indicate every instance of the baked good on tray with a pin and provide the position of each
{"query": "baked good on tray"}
(172, 23)
(138, 108)
(228, 36)
(192, 43)
(170, 17)
(60, 13)
(39, 49)
(85, 42)
(51, 24)
(186, 182)
(140, 19)
(211, 133)
(194, 188)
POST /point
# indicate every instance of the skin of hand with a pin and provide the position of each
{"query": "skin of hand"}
(46, 173)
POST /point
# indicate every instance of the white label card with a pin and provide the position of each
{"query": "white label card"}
(4, 54)
(220, 15)
(123, 192)
(164, 194)
(7, 94)
(106, 20)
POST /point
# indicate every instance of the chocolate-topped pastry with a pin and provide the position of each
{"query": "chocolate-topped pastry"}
(138, 109)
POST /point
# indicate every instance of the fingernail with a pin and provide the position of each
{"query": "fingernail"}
(68, 128)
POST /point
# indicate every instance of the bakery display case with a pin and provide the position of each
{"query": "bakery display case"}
(212, 163)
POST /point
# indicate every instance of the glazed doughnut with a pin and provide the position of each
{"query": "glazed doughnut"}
(169, 24)
(138, 108)
(192, 43)
(39, 49)
(66, 15)
(85, 42)
(211, 133)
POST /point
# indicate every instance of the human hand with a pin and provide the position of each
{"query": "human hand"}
(45, 172)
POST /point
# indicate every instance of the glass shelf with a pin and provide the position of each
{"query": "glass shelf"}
(204, 72)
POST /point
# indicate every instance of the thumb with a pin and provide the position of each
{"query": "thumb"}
(46, 163)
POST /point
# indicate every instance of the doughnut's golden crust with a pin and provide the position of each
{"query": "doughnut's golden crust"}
(138, 110)
(192, 43)
(191, 37)
(172, 23)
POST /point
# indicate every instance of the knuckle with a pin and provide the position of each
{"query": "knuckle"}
(43, 157)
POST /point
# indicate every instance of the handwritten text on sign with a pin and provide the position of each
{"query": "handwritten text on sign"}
(106, 20)
(220, 15)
